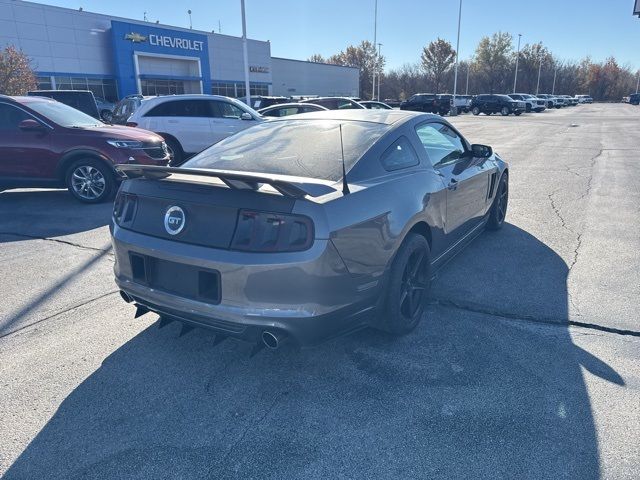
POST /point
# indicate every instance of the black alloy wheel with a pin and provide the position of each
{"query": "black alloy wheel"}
(498, 211)
(408, 286)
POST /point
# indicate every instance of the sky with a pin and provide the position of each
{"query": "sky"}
(571, 29)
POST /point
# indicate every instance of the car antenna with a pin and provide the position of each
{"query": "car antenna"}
(345, 185)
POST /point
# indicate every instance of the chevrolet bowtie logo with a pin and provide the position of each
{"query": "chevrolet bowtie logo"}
(135, 37)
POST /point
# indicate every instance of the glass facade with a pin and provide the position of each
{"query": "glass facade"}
(156, 86)
(237, 89)
(101, 87)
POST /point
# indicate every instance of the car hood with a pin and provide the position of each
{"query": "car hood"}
(122, 132)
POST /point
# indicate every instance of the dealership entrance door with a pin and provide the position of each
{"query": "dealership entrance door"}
(167, 74)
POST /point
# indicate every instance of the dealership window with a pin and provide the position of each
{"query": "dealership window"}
(101, 87)
(44, 83)
(157, 86)
(237, 90)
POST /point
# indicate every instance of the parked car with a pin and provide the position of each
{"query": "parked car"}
(533, 104)
(584, 99)
(286, 109)
(427, 103)
(334, 103)
(375, 105)
(634, 99)
(191, 123)
(392, 102)
(549, 99)
(264, 250)
(125, 108)
(82, 100)
(262, 101)
(560, 101)
(105, 109)
(462, 103)
(569, 100)
(45, 143)
(491, 103)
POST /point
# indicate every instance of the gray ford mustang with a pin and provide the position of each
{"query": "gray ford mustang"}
(307, 227)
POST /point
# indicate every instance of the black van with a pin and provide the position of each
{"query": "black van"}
(634, 99)
(82, 100)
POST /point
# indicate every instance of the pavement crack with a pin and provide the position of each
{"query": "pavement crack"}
(66, 310)
(557, 322)
(57, 240)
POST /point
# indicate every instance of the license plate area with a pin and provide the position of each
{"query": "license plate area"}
(176, 278)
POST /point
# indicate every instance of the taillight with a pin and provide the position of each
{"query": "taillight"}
(272, 232)
(131, 124)
(124, 208)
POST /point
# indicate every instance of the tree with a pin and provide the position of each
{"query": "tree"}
(493, 62)
(363, 56)
(437, 59)
(16, 75)
(317, 58)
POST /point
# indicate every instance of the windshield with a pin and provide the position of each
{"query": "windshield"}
(64, 115)
(305, 148)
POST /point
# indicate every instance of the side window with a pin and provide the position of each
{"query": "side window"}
(181, 108)
(10, 117)
(399, 155)
(441, 143)
(345, 104)
(227, 110)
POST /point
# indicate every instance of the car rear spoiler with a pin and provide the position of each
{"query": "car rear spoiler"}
(289, 186)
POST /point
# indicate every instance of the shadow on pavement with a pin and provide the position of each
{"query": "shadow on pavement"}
(466, 395)
(48, 213)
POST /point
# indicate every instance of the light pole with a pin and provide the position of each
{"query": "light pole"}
(638, 82)
(553, 88)
(466, 91)
(245, 54)
(455, 74)
(377, 67)
(539, 72)
(190, 24)
(375, 39)
(515, 78)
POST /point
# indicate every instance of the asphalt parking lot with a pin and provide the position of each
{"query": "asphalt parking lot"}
(526, 365)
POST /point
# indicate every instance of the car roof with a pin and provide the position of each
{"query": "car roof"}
(190, 96)
(28, 99)
(291, 105)
(385, 117)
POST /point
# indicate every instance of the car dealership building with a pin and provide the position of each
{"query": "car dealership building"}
(115, 57)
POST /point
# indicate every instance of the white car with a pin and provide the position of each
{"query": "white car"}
(191, 123)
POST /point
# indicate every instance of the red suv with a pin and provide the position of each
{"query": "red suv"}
(45, 143)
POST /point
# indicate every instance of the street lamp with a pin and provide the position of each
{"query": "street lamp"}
(515, 78)
(539, 72)
(190, 23)
(553, 88)
(455, 75)
(377, 70)
(375, 39)
(245, 55)
(638, 82)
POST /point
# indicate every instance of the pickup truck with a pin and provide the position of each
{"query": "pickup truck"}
(428, 103)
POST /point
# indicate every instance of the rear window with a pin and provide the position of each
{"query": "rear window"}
(399, 155)
(305, 148)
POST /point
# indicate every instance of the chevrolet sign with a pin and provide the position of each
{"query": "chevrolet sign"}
(173, 42)
(135, 37)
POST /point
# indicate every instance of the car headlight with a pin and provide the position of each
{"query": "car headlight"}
(125, 143)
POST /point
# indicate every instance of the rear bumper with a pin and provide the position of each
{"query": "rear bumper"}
(308, 295)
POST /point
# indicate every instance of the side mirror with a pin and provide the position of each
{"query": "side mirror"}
(30, 125)
(246, 116)
(481, 151)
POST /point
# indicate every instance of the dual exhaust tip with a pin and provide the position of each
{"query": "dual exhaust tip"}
(271, 339)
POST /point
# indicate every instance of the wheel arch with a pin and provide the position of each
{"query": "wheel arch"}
(168, 136)
(72, 156)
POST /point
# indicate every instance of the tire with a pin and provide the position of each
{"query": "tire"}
(528, 108)
(475, 111)
(90, 180)
(504, 111)
(517, 114)
(408, 286)
(498, 210)
(176, 152)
